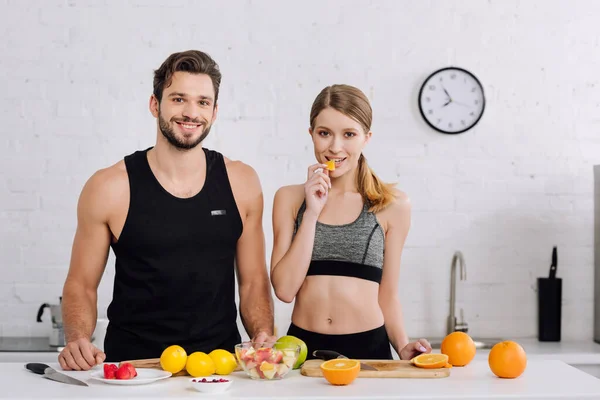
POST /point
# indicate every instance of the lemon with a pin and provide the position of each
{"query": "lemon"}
(173, 359)
(225, 362)
(199, 364)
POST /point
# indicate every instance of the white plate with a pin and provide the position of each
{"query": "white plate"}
(144, 376)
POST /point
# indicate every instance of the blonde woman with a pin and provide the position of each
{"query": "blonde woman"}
(338, 240)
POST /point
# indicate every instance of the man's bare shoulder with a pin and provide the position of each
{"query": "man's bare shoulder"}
(109, 178)
(239, 170)
(105, 188)
(243, 176)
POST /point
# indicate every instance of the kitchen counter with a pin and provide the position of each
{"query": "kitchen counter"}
(543, 379)
(571, 352)
(27, 345)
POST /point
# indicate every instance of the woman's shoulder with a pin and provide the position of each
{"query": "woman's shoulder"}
(398, 208)
(290, 192)
(289, 196)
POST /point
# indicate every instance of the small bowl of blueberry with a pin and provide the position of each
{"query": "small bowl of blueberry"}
(211, 384)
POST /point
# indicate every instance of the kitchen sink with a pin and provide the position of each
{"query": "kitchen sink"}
(480, 343)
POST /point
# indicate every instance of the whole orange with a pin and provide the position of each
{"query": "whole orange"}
(459, 347)
(507, 359)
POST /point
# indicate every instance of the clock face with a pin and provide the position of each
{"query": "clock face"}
(451, 100)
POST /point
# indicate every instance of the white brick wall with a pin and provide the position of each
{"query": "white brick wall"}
(76, 76)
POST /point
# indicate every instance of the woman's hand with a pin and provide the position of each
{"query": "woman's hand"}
(413, 349)
(316, 189)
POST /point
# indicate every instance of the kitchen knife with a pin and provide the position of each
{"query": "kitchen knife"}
(52, 374)
(554, 265)
(330, 355)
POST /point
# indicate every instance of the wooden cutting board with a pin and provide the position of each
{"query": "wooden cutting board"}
(155, 363)
(386, 369)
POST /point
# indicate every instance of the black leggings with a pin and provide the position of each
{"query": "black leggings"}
(368, 345)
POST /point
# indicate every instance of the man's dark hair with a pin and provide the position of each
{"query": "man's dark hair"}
(192, 61)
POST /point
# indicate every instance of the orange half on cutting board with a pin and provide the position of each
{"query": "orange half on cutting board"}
(431, 361)
(340, 371)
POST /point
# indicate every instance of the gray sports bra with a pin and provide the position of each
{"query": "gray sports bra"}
(355, 249)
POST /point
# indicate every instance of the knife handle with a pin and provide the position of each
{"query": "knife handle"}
(37, 368)
(327, 354)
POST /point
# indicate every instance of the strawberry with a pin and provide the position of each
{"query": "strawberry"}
(276, 357)
(109, 371)
(123, 372)
(131, 368)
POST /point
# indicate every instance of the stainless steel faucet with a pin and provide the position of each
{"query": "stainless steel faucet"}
(452, 325)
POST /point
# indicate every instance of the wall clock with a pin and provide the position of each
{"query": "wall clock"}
(451, 100)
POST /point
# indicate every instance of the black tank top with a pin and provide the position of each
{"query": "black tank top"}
(174, 270)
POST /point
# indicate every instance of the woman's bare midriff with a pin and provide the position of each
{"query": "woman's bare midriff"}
(337, 305)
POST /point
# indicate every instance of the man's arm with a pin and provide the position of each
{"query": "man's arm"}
(256, 302)
(88, 260)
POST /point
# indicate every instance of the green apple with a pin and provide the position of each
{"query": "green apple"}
(285, 342)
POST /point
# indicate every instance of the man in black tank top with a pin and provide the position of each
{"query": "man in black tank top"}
(179, 218)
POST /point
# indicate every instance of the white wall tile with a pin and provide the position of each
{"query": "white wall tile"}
(78, 75)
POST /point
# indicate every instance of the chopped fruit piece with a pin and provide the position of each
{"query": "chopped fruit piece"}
(430, 361)
(123, 372)
(254, 373)
(276, 357)
(282, 369)
(330, 165)
(131, 368)
(263, 354)
(266, 366)
(268, 369)
(289, 361)
(109, 371)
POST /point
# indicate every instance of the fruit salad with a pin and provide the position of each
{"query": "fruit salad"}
(266, 362)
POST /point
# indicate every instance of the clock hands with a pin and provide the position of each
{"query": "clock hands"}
(450, 100)
(445, 91)
(463, 104)
(447, 94)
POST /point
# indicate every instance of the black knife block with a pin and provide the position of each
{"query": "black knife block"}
(549, 309)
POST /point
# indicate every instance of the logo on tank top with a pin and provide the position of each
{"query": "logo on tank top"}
(218, 212)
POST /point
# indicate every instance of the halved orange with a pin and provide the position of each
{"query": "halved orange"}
(340, 371)
(330, 165)
(430, 361)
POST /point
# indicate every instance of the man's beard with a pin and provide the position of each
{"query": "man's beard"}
(176, 142)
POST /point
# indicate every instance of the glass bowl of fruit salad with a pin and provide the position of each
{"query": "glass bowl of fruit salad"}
(267, 363)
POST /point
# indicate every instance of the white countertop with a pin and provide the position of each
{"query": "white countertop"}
(543, 379)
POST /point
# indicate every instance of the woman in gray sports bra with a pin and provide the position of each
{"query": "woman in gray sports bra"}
(338, 240)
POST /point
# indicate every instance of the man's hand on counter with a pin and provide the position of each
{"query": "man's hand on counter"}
(80, 355)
